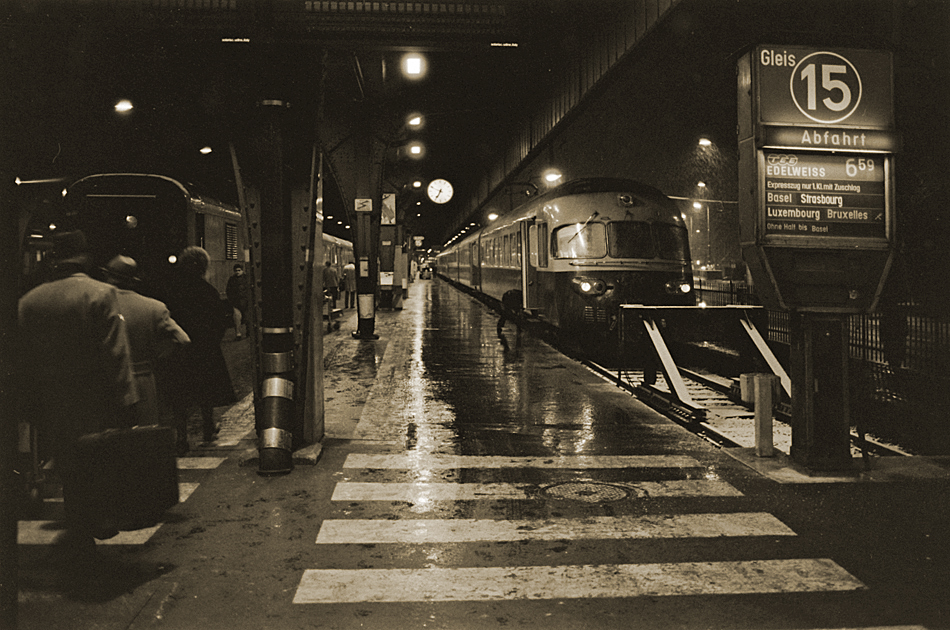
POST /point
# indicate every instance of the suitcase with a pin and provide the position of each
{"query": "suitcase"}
(124, 479)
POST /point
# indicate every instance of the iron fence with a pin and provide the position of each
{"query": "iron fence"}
(900, 367)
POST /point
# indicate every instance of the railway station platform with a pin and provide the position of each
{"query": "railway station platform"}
(468, 480)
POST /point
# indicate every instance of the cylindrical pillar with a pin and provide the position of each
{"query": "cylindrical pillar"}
(366, 270)
(277, 340)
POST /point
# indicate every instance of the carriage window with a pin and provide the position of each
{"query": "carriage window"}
(516, 249)
(230, 241)
(580, 240)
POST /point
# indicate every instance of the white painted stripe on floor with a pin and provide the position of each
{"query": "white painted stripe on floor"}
(38, 532)
(411, 461)
(358, 531)
(326, 586)
(425, 492)
(46, 532)
(199, 463)
(136, 537)
(185, 490)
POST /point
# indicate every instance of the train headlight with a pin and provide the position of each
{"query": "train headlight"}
(589, 286)
(678, 287)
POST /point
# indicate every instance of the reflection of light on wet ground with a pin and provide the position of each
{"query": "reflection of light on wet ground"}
(572, 441)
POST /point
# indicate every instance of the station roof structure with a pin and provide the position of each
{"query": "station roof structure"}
(192, 68)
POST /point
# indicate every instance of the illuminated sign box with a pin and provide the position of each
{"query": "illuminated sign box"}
(825, 139)
(823, 195)
(804, 86)
(816, 138)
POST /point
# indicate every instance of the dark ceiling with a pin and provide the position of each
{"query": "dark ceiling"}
(191, 88)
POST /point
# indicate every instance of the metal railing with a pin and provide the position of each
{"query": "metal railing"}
(900, 366)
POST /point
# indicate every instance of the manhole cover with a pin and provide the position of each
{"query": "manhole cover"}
(587, 491)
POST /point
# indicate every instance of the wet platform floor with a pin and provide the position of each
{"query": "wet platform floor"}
(468, 481)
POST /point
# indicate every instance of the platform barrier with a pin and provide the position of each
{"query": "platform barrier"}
(686, 321)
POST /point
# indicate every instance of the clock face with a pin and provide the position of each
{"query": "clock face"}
(440, 191)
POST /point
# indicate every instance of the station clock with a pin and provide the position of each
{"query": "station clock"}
(439, 191)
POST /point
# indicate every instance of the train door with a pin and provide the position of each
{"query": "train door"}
(476, 263)
(529, 266)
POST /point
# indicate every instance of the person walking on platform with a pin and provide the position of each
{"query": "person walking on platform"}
(152, 334)
(349, 285)
(237, 297)
(197, 373)
(77, 368)
(511, 303)
(331, 283)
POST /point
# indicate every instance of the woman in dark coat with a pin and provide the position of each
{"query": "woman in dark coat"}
(198, 374)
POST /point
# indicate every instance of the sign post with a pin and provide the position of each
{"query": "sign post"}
(816, 144)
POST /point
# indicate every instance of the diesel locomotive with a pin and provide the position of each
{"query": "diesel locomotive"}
(571, 256)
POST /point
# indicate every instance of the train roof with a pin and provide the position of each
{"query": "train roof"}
(173, 183)
(603, 184)
(592, 185)
(337, 241)
(581, 186)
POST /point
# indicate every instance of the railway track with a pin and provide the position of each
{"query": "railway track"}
(718, 415)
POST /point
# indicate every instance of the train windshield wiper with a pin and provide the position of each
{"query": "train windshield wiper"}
(584, 227)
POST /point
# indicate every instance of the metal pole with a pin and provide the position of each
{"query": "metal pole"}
(277, 339)
(764, 388)
(368, 210)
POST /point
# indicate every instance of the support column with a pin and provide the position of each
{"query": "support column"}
(368, 208)
(821, 427)
(9, 483)
(277, 332)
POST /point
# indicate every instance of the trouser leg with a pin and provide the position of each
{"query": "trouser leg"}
(207, 419)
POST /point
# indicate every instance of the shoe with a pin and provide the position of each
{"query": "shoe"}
(238, 337)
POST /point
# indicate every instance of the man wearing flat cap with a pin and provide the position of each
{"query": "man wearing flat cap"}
(77, 363)
(152, 333)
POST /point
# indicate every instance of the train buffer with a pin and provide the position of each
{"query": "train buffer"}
(683, 323)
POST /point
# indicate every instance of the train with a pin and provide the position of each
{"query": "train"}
(152, 218)
(571, 256)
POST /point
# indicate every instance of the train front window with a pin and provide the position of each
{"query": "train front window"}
(580, 240)
(631, 239)
(671, 241)
(638, 239)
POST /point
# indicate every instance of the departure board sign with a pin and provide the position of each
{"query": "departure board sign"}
(817, 195)
(816, 151)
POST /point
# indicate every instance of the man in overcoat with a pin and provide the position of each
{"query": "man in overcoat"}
(152, 334)
(77, 366)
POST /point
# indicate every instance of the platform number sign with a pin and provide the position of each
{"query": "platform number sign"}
(805, 86)
(826, 87)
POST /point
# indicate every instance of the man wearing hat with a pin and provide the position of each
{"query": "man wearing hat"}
(77, 364)
(152, 333)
